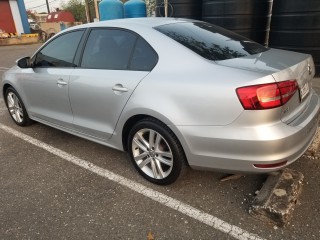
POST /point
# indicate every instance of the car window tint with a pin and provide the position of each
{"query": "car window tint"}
(60, 51)
(144, 58)
(108, 49)
(210, 41)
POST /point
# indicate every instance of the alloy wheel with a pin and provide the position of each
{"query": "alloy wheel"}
(15, 107)
(152, 153)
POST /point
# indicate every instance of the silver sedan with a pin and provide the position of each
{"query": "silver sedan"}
(172, 93)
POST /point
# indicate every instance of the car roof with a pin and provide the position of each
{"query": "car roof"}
(147, 22)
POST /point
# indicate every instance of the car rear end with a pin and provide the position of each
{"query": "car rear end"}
(289, 106)
(278, 122)
(279, 111)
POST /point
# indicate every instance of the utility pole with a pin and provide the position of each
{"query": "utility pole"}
(87, 10)
(166, 8)
(96, 9)
(48, 6)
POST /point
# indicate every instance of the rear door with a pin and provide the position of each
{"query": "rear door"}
(114, 61)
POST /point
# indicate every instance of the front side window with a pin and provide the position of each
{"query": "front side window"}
(108, 49)
(60, 51)
(210, 41)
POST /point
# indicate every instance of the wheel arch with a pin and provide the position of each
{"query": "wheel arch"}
(128, 125)
(4, 89)
(138, 117)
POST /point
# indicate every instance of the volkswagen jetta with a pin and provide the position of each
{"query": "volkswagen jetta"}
(171, 92)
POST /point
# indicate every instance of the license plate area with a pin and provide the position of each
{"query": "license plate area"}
(304, 90)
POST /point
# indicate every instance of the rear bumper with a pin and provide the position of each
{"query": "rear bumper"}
(235, 149)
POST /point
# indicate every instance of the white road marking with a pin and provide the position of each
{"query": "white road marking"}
(170, 202)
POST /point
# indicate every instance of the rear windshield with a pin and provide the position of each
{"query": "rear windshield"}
(210, 41)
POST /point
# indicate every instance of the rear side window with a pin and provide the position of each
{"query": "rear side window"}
(108, 49)
(210, 41)
(60, 51)
(144, 58)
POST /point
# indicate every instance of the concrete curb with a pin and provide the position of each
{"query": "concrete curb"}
(19, 40)
(277, 198)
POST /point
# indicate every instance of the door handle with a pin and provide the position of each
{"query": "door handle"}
(119, 88)
(60, 82)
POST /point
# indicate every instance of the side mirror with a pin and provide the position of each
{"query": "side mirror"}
(24, 62)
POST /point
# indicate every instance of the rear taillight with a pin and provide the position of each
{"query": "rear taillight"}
(266, 96)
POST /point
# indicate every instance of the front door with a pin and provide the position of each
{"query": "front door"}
(46, 85)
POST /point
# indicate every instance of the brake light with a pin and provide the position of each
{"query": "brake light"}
(266, 96)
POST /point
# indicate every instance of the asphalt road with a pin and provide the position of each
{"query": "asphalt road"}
(58, 186)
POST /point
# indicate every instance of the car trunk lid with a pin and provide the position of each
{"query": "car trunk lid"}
(282, 65)
(303, 72)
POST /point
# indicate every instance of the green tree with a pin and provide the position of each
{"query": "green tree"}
(151, 8)
(77, 8)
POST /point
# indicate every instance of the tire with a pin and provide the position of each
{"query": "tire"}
(16, 108)
(156, 152)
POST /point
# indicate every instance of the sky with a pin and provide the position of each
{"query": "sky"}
(40, 5)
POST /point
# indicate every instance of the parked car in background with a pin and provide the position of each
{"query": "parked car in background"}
(34, 26)
(170, 92)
